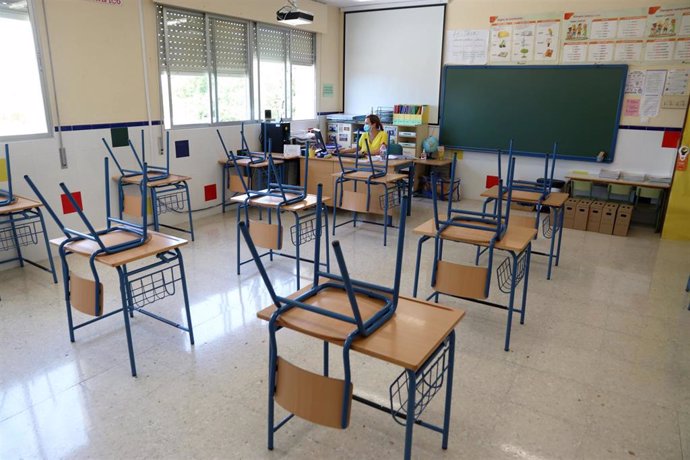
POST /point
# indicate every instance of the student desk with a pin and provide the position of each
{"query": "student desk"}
(21, 223)
(362, 203)
(427, 162)
(420, 337)
(232, 183)
(551, 228)
(517, 242)
(167, 195)
(270, 236)
(324, 170)
(647, 184)
(139, 287)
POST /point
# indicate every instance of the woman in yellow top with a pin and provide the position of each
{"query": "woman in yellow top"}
(374, 133)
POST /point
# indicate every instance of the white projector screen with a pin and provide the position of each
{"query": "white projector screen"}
(393, 56)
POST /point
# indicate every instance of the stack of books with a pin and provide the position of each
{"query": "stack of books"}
(659, 179)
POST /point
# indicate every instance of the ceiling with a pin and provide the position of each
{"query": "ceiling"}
(361, 3)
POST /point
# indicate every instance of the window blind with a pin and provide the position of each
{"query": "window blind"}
(301, 48)
(186, 42)
(229, 44)
(271, 43)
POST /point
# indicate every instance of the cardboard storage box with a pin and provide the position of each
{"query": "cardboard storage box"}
(582, 214)
(608, 218)
(623, 217)
(594, 219)
(569, 214)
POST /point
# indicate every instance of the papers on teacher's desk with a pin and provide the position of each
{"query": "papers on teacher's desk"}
(609, 174)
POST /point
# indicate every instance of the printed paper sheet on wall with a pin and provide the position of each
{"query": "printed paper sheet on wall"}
(524, 39)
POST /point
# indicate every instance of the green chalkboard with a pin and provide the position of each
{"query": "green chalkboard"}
(484, 107)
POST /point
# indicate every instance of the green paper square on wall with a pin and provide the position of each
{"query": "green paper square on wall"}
(119, 137)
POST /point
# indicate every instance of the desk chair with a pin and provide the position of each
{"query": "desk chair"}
(21, 222)
(365, 308)
(119, 235)
(169, 193)
(540, 186)
(365, 171)
(138, 287)
(483, 227)
(620, 193)
(580, 187)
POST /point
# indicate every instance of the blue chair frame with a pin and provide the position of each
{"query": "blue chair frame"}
(362, 328)
(376, 173)
(167, 260)
(158, 192)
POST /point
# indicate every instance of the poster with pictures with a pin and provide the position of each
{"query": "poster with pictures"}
(665, 22)
(546, 42)
(500, 42)
(634, 83)
(523, 39)
(578, 26)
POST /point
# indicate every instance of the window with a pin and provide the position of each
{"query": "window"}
(22, 106)
(221, 70)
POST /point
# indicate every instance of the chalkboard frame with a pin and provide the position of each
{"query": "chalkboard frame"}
(610, 153)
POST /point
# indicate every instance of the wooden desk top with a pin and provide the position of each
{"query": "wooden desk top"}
(555, 199)
(157, 243)
(19, 205)
(603, 180)
(171, 179)
(273, 202)
(408, 339)
(429, 162)
(364, 160)
(515, 239)
(364, 175)
(245, 162)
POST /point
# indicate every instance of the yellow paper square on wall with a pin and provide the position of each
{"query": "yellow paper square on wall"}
(3, 170)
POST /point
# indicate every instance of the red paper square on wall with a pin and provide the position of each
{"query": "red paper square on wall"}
(210, 192)
(491, 181)
(671, 139)
(67, 207)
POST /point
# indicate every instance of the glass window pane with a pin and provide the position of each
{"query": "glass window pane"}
(190, 99)
(22, 107)
(303, 92)
(272, 88)
(233, 98)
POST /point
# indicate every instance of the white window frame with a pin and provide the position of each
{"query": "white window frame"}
(44, 88)
(254, 76)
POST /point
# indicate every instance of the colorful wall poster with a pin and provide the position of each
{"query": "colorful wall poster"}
(546, 42)
(666, 22)
(631, 27)
(628, 50)
(659, 50)
(523, 39)
(634, 83)
(682, 50)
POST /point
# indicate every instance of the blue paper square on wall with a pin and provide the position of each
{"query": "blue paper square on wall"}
(181, 149)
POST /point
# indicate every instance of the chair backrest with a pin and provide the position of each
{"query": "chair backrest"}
(155, 172)
(581, 185)
(620, 189)
(395, 149)
(649, 192)
(6, 194)
(363, 326)
(139, 230)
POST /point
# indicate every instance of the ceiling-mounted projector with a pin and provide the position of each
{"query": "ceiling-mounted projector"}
(290, 14)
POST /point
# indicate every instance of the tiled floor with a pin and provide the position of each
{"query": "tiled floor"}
(601, 369)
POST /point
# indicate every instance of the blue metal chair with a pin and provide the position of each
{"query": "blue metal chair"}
(155, 172)
(136, 235)
(370, 174)
(486, 227)
(6, 195)
(363, 324)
